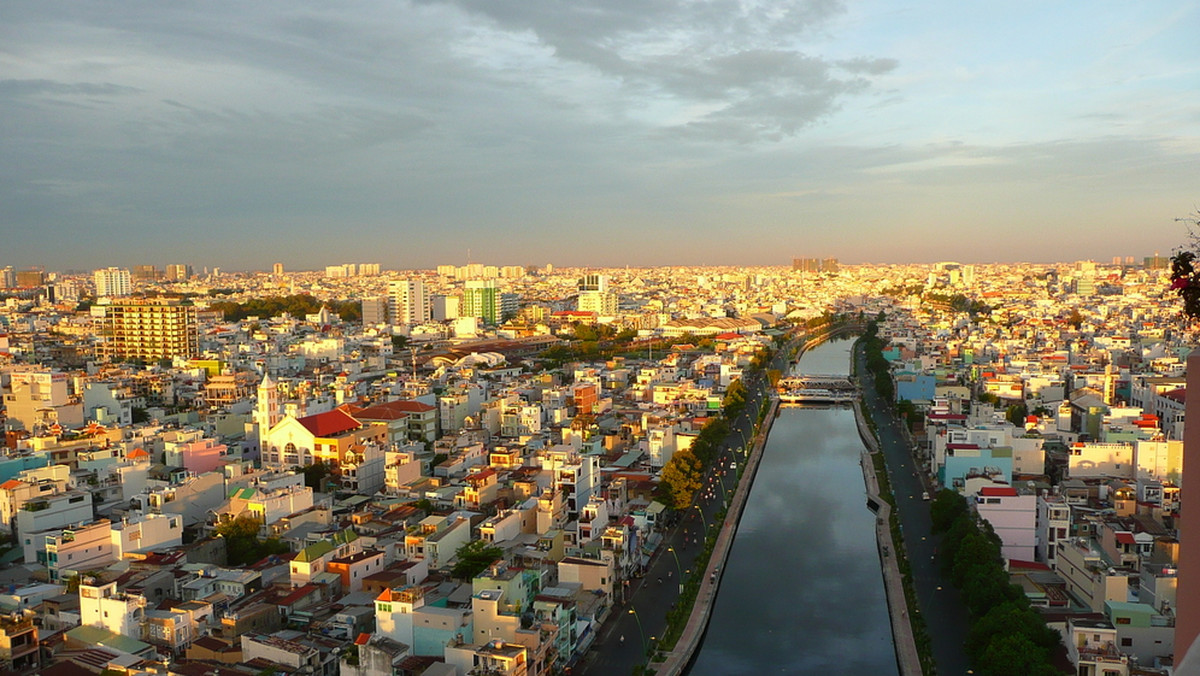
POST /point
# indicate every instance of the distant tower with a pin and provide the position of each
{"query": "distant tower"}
(409, 302)
(267, 415)
(277, 269)
(111, 282)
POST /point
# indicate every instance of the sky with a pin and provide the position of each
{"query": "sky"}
(594, 132)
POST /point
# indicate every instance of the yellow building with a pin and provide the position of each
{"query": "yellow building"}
(149, 329)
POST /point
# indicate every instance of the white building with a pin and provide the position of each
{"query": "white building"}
(146, 533)
(102, 606)
(1014, 518)
(1053, 525)
(1095, 459)
(113, 282)
(409, 302)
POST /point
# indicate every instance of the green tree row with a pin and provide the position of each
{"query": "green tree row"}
(296, 305)
(877, 364)
(1007, 636)
(683, 475)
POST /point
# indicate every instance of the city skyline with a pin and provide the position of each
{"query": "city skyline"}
(594, 134)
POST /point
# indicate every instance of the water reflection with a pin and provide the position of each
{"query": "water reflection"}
(803, 593)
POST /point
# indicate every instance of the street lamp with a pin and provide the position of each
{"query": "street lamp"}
(678, 568)
(724, 491)
(633, 611)
(702, 521)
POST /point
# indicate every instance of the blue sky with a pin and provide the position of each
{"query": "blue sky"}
(597, 132)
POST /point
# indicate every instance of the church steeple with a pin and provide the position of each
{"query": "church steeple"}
(267, 414)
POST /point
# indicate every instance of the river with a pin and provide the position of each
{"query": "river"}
(803, 591)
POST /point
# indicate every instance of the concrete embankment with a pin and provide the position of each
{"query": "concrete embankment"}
(902, 633)
(693, 633)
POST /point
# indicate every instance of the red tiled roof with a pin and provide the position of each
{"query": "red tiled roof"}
(481, 474)
(329, 423)
(138, 453)
(296, 595)
(391, 410)
(11, 484)
(362, 639)
(1125, 537)
(1179, 394)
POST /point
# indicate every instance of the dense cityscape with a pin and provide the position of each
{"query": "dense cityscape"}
(482, 469)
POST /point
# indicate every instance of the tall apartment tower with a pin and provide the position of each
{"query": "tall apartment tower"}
(409, 302)
(178, 272)
(481, 298)
(113, 283)
(594, 296)
(277, 269)
(149, 329)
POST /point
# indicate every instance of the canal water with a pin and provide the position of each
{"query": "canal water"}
(803, 590)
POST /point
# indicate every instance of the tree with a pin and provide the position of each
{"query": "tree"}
(1075, 319)
(242, 543)
(681, 477)
(976, 550)
(735, 399)
(1011, 617)
(473, 558)
(1016, 414)
(945, 509)
(314, 475)
(985, 587)
(349, 311)
(1008, 654)
(774, 376)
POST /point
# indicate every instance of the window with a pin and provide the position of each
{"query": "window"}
(1126, 642)
(1123, 620)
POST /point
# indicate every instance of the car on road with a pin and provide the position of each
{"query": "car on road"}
(925, 496)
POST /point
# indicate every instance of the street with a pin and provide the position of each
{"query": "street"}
(945, 616)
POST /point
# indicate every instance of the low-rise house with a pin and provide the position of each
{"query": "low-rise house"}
(19, 645)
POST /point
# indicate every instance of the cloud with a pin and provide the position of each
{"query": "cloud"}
(23, 88)
(702, 62)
